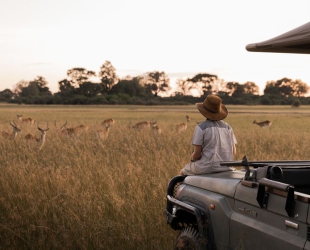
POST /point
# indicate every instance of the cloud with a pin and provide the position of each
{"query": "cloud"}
(38, 63)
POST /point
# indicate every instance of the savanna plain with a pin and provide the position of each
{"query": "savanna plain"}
(88, 192)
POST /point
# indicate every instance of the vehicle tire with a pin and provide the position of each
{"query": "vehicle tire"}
(189, 239)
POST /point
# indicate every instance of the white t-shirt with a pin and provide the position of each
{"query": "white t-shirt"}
(217, 140)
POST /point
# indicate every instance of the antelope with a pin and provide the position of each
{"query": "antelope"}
(156, 129)
(72, 131)
(103, 133)
(26, 120)
(40, 140)
(187, 118)
(108, 122)
(143, 125)
(263, 124)
(15, 131)
(181, 127)
(82, 128)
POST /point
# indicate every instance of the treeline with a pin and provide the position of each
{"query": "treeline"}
(152, 88)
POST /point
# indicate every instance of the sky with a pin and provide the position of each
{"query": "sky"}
(182, 38)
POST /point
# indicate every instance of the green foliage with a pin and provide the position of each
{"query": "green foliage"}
(31, 90)
(108, 76)
(34, 88)
(143, 99)
(157, 82)
(66, 88)
(6, 95)
(203, 82)
(286, 87)
(89, 89)
(236, 89)
(41, 85)
(131, 87)
(86, 87)
(77, 76)
(183, 87)
(296, 103)
(266, 100)
(250, 88)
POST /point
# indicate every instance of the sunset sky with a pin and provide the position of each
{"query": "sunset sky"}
(182, 38)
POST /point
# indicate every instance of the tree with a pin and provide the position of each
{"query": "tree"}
(25, 89)
(286, 87)
(299, 88)
(233, 87)
(157, 82)
(251, 88)
(296, 103)
(77, 76)
(218, 86)
(6, 94)
(183, 86)
(31, 90)
(132, 87)
(280, 87)
(89, 89)
(236, 89)
(108, 76)
(19, 87)
(36, 87)
(41, 84)
(203, 83)
(66, 88)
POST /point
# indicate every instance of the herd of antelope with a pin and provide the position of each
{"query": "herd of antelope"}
(102, 132)
(156, 128)
(72, 131)
(28, 137)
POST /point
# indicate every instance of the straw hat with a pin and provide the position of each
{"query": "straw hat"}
(212, 108)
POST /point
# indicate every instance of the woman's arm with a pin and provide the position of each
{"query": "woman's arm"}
(234, 150)
(196, 155)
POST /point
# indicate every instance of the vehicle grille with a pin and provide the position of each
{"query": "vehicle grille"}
(308, 233)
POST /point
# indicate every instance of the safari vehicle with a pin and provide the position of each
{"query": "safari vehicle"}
(263, 206)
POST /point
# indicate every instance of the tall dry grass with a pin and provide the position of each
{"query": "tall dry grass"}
(87, 193)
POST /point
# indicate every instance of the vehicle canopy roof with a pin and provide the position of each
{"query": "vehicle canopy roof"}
(293, 41)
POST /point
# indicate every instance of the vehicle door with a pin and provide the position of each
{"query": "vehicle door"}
(268, 225)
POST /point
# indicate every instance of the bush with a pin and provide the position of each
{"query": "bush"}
(266, 101)
(99, 100)
(296, 103)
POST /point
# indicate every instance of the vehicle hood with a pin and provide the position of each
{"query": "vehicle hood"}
(223, 183)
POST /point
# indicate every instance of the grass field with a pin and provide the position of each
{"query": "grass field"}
(88, 193)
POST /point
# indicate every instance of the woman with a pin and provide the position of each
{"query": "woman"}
(213, 140)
